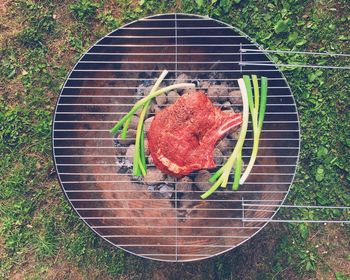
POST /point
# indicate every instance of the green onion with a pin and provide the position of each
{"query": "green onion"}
(138, 166)
(249, 91)
(256, 92)
(217, 174)
(238, 170)
(125, 128)
(258, 115)
(227, 169)
(142, 170)
(212, 189)
(223, 173)
(139, 162)
(143, 156)
(250, 103)
(262, 108)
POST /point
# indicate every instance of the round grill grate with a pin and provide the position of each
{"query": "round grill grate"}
(103, 86)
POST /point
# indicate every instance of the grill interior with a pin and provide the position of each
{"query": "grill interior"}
(102, 87)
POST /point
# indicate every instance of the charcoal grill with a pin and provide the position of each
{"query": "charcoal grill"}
(102, 87)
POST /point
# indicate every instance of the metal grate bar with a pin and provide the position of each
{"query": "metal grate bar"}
(154, 62)
(166, 53)
(133, 96)
(104, 87)
(179, 226)
(297, 221)
(295, 65)
(180, 255)
(171, 37)
(104, 164)
(113, 122)
(166, 218)
(128, 174)
(172, 245)
(108, 130)
(176, 198)
(179, 28)
(155, 218)
(150, 79)
(170, 45)
(301, 206)
(182, 71)
(167, 236)
(162, 106)
(181, 199)
(296, 52)
(167, 208)
(117, 148)
(111, 138)
(134, 181)
(113, 156)
(150, 191)
(120, 113)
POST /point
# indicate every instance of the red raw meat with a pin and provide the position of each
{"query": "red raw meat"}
(182, 137)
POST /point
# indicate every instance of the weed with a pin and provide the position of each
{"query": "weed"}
(40, 24)
(76, 43)
(341, 276)
(84, 10)
(30, 37)
(108, 20)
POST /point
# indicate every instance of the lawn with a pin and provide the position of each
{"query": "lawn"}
(40, 235)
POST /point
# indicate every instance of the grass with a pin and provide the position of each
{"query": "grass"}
(42, 238)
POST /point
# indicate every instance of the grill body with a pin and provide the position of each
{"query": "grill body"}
(101, 88)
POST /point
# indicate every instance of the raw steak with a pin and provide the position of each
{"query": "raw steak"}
(182, 137)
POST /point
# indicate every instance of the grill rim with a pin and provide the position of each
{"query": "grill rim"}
(148, 256)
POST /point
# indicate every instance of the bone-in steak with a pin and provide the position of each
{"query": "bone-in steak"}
(182, 137)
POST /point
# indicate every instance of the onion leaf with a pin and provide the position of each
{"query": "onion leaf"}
(139, 152)
(217, 174)
(142, 150)
(249, 91)
(238, 170)
(257, 118)
(263, 99)
(125, 128)
(225, 170)
(256, 93)
(212, 189)
(138, 155)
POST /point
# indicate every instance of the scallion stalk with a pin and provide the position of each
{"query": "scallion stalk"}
(137, 157)
(238, 171)
(217, 174)
(139, 161)
(257, 118)
(256, 93)
(212, 189)
(222, 178)
(228, 168)
(125, 128)
(262, 108)
(142, 150)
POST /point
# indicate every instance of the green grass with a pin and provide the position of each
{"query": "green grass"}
(39, 232)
